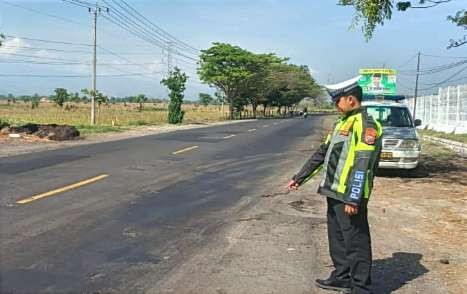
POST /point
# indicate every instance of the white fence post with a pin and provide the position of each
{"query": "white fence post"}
(424, 109)
(458, 110)
(447, 106)
(438, 109)
(455, 109)
(431, 110)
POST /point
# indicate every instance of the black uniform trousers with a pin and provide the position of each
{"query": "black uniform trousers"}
(350, 246)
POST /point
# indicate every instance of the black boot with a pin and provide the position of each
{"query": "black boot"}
(333, 284)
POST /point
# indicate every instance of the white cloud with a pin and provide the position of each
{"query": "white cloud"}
(313, 71)
(19, 46)
(12, 46)
(44, 54)
(156, 66)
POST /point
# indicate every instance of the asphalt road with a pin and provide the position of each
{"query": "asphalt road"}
(106, 216)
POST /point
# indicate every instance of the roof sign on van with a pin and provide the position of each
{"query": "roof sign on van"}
(378, 81)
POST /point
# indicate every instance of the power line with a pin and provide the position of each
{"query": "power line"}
(163, 32)
(144, 28)
(64, 43)
(437, 69)
(407, 62)
(121, 57)
(74, 63)
(399, 84)
(446, 80)
(128, 19)
(77, 3)
(455, 80)
(140, 35)
(68, 76)
(145, 75)
(48, 49)
(64, 50)
(40, 57)
(48, 41)
(41, 12)
(459, 79)
(16, 61)
(129, 23)
(447, 57)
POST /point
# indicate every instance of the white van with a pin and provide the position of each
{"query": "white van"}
(401, 143)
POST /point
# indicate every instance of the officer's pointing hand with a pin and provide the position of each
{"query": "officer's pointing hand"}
(292, 185)
(350, 209)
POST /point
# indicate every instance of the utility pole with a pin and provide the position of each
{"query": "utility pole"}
(94, 59)
(95, 12)
(416, 88)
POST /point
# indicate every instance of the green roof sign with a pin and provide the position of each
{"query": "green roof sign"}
(378, 81)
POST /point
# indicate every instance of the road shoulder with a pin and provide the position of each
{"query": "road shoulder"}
(279, 244)
(29, 144)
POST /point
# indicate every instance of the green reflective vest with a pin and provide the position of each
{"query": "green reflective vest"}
(347, 159)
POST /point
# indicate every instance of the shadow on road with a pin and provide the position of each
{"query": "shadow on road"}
(392, 273)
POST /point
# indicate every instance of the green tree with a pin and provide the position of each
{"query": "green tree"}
(99, 98)
(74, 98)
(141, 98)
(288, 84)
(372, 13)
(460, 19)
(219, 97)
(35, 101)
(175, 82)
(225, 67)
(205, 99)
(2, 37)
(257, 85)
(60, 97)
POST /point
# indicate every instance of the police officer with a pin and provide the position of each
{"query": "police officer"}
(348, 160)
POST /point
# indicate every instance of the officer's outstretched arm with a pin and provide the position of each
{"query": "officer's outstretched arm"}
(364, 141)
(313, 164)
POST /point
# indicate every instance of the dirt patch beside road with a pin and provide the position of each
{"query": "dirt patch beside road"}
(418, 224)
(424, 215)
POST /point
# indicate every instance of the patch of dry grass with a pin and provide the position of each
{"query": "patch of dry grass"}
(109, 115)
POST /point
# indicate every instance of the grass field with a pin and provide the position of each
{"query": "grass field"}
(112, 114)
(112, 117)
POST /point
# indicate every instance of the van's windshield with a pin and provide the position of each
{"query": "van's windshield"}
(391, 116)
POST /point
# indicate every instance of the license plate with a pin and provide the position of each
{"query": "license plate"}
(386, 155)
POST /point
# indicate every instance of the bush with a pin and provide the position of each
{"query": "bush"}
(34, 103)
(4, 124)
(176, 85)
(137, 123)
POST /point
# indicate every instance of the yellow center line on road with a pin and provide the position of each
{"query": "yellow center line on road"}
(251, 130)
(61, 190)
(229, 136)
(184, 150)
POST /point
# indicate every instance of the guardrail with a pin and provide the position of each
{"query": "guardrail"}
(457, 147)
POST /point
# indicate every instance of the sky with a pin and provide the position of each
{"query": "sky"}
(309, 32)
